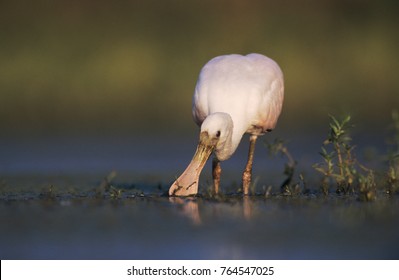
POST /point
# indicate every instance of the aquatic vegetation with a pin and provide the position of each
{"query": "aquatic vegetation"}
(106, 187)
(340, 165)
(336, 152)
(367, 186)
(115, 193)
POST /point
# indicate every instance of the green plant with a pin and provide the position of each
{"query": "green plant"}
(367, 185)
(106, 187)
(340, 140)
(326, 168)
(339, 163)
(115, 193)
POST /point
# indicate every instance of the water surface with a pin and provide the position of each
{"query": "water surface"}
(142, 226)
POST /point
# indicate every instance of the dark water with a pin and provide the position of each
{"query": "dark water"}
(49, 207)
(153, 227)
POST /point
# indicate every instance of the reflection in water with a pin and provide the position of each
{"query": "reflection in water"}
(247, 207)
(189, 208)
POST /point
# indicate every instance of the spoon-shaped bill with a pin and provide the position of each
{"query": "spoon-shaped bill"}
(187, 183)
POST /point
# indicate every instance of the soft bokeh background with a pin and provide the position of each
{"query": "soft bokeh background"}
(91, 86)
(108, 84)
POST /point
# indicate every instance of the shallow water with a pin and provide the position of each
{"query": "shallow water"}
(51, 207)
(144, 226)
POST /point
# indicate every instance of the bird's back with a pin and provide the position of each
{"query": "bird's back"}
(250, 88)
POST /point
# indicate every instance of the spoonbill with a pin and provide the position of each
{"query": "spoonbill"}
(234, 95)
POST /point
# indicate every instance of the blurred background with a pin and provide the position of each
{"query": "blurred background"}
(98, 85)
(92, 86)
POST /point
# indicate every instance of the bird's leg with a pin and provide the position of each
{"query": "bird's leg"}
(247, 175)
(216, 171)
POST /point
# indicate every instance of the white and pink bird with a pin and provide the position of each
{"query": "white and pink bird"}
(234, 95)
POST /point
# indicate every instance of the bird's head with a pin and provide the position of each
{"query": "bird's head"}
(216, 132)
(215, 135)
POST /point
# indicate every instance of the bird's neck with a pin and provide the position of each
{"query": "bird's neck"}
(231, 144)
(236, 137)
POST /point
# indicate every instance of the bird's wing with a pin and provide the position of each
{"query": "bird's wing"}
(249, 88)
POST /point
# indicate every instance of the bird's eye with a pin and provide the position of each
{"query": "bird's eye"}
(218, 133)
